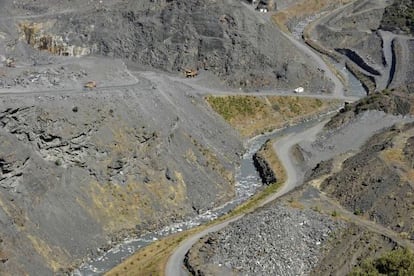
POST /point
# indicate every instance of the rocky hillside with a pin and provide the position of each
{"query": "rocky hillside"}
(397, 101)
(373, 185)
(241, 46)
(376, 182)
(80, 171)
(399, 17)
(358, 187)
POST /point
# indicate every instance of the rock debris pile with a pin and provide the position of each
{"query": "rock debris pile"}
(277, 240)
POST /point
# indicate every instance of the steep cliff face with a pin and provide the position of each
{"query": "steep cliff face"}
(34, 34)
(267, 164)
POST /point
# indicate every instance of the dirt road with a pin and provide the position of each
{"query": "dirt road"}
(282, 147)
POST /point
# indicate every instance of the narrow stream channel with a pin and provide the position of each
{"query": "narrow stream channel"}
(247, 184)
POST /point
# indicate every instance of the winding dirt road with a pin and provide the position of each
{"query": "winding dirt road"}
(283, 148)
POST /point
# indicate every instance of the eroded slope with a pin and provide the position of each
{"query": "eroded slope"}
(83, 170)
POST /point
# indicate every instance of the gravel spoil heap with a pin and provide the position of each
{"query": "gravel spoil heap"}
(273, 241)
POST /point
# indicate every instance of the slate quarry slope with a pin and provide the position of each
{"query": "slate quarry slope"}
(241, 46)
(82, 171)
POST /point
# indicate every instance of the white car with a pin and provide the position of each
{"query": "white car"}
(299, 90)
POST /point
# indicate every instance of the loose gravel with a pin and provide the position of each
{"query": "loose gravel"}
(273, 241)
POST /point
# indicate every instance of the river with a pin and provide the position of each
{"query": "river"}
(247, 184)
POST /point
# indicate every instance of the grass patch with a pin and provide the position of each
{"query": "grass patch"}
(394, 156)
(53, 255)
(252, 115)
(296, 204)
(317, 209)
(152, 259)
(232, 107)
(358, 212)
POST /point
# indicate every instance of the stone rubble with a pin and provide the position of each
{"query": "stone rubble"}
(273, 241)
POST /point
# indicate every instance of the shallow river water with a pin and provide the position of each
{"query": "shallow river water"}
(247, 184)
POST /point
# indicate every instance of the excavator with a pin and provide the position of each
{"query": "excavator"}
(190, 73)
(90, 85)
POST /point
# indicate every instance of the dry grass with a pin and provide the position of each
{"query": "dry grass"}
(252, 115)
(53, 256)
(296, 204)
(123, 207)
(395, 156)
(152, 259)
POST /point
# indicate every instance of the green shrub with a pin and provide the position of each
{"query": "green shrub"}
(399, 262)
(399, 15)
(358, 212)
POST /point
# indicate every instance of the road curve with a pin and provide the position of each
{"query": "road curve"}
(338, 91)
(283, 148)
(175, 265)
